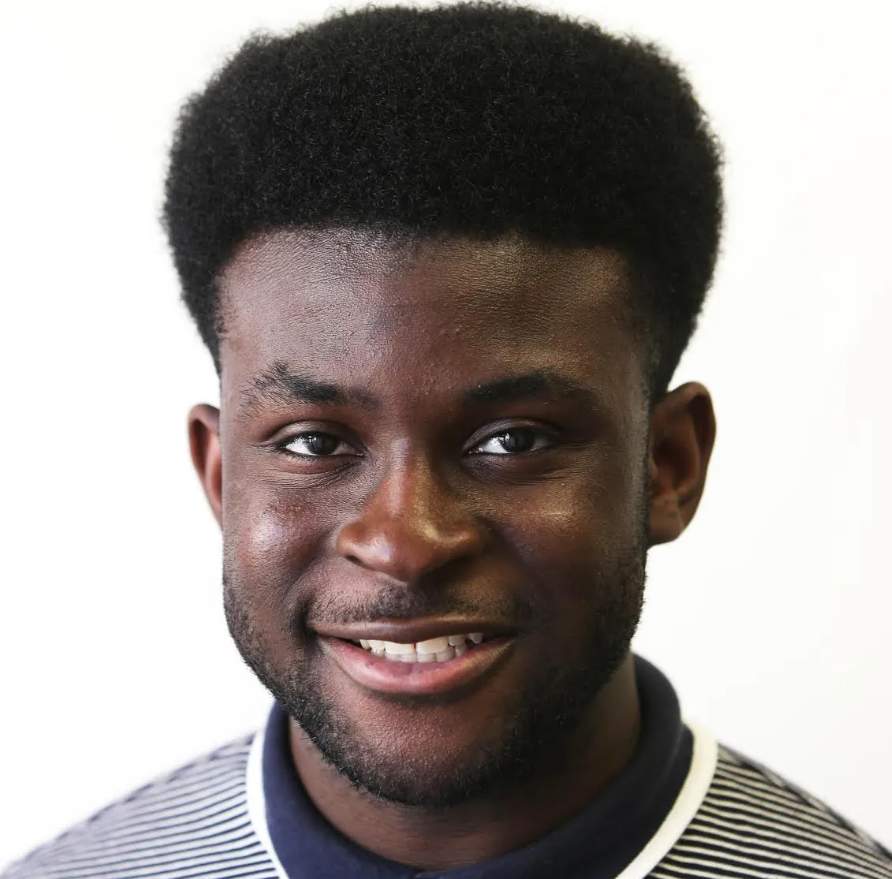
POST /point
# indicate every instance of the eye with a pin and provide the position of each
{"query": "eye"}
(316, 444)
(513, 441)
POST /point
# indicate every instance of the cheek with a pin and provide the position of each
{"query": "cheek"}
(576, 540)
(270, 544)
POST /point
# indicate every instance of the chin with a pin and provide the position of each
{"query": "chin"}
(430, 755)
(438, 755)
(434, 773)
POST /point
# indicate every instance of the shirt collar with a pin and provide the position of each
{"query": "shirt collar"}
(598, 843)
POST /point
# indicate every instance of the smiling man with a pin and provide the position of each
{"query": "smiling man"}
(446, 262)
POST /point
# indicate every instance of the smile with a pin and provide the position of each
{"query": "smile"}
(430, 666)
(440, 649)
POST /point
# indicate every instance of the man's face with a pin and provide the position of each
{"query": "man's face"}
(448, 440)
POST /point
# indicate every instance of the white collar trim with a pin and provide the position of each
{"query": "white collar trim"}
(700, 774)
(257, 800)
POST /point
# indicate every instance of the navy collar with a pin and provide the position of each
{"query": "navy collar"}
(598, 843)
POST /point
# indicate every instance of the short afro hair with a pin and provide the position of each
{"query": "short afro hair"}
(475, 119)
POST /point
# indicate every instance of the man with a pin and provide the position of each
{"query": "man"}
(446, 262)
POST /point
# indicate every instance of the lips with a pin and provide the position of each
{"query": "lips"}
(417, 658)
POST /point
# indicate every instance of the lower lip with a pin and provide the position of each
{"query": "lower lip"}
(417, 678)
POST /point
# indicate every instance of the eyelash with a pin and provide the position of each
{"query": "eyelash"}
(537, 432)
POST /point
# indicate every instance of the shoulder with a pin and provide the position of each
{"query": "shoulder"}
(193, 821)
(752, 822)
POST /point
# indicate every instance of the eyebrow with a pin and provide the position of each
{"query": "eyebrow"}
(277, 385)
(540, 383)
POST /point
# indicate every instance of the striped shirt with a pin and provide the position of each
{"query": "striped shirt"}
(685, 807)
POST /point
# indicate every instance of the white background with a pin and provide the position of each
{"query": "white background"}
(771, 615)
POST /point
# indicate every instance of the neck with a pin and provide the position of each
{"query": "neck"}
(484, 828)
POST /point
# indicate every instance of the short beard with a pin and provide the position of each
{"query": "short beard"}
(550, 709)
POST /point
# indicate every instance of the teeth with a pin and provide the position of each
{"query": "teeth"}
(432, 650)
(433, 645)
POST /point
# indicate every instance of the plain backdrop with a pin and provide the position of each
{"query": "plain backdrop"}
(771, 615)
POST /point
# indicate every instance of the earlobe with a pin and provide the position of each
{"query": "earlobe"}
(682, 436)
(204, 445)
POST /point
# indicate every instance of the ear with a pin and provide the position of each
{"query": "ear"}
(681, 440)
(204, 444)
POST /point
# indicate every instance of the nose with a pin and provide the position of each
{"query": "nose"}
(410, 526)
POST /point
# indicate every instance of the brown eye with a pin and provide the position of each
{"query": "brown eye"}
(314, 445)
(514, 441)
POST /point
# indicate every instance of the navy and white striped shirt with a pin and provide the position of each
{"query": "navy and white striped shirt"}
(683, 807)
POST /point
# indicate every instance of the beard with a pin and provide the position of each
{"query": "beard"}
(548, 710)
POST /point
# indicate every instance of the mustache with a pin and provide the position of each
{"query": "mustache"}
(401, 603)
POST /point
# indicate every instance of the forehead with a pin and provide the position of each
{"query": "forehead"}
(434, 312)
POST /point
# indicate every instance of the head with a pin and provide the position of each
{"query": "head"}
(446, 262)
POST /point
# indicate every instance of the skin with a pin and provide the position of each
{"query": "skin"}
(417, 507)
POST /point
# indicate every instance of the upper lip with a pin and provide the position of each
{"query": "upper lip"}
(410, 631)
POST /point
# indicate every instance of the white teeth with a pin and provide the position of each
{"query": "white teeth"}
(395, 649)
(440, 649)
(433, 645)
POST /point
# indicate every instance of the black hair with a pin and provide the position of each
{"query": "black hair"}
(476, 119)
